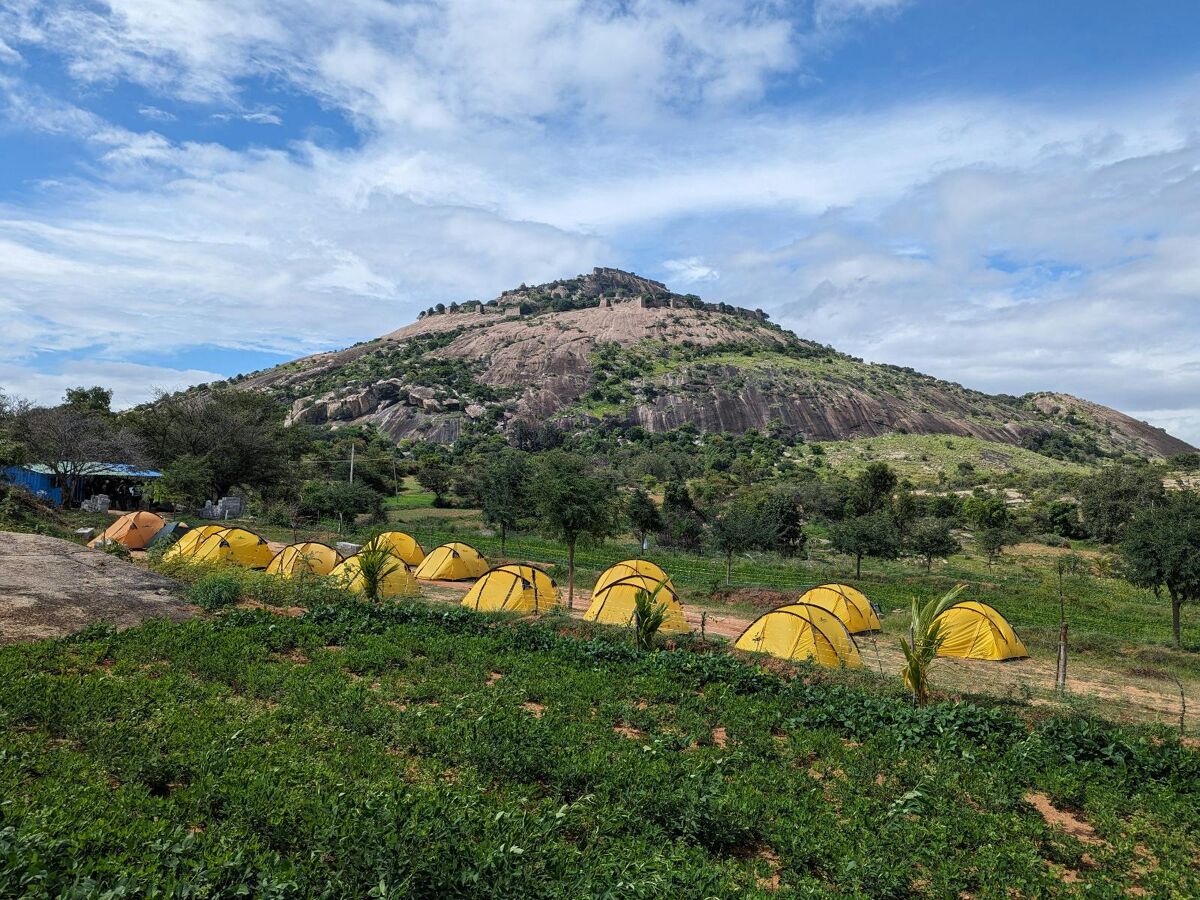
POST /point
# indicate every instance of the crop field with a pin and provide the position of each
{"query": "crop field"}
(1114, 626)
(428, 751)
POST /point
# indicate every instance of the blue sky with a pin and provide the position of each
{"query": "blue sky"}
(1003, 194)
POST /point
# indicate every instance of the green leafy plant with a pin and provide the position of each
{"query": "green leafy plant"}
(375, 566)
(925, 639)
(648, 616)
(216, 590)
(114, 548)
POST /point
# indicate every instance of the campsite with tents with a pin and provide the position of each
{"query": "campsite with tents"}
(520, 667)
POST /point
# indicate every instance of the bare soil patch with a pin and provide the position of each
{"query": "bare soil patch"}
(51, 588)
(1063, 820)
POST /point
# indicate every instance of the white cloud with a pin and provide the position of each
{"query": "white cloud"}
(1010, 245)
(153, 112)
(258, 117)
(130, 383)
(9, 55)
(690, 270)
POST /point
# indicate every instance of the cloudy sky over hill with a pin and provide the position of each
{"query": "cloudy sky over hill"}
(997, 193)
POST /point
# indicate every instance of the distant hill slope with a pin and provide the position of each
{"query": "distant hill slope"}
(613, 347)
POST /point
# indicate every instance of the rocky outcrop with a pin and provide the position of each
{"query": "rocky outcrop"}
(738, 372)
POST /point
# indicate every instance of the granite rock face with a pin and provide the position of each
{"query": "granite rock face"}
(534, 354)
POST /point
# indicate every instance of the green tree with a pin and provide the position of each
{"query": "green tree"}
(873, 488)
(75, 442)
(933, 538)
(12, 451)
(504, 492)
(186, 481)
(572, 502)
(873, 535)
(434, 475)
(736, 528)
(1109, 499)
(240, 433)
(90, 399)
(986, 510)
(992, 541)
(682, 524)
(342, 500)
(1160, 548)
(783, 523)
(642, 513)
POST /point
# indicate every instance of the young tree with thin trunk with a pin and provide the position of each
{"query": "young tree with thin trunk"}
(434, 476)
(503, 492)
(925, 638)
(992, 541)
(571, 502)
(874, 535)
(737, 528)
(933, 539)
(1160, 548)
(643, 515)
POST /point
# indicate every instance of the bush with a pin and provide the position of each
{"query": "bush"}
(114, 548)
(216, 590)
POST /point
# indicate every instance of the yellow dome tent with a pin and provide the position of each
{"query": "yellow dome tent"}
(848, 604)
(308, 557)
(135, 530)
(614, 603)
(452, 562)
(186, 546)
(235, 545)
(399, 582)
(513, 588)
(627, 567)
(398, 544)
(802, 631)
(972, 630)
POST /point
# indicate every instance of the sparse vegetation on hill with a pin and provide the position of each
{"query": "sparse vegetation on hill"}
(612, 350)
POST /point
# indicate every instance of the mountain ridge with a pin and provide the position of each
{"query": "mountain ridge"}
(613, 349)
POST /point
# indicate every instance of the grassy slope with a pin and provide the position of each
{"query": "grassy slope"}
(922, 457)
(413, 752)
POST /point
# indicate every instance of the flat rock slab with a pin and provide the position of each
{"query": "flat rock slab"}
(51, 588)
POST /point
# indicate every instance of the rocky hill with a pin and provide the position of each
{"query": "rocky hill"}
(611, 347)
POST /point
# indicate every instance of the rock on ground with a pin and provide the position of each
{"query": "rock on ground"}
(51, 588)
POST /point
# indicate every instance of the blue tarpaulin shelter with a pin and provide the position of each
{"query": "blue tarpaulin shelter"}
(39, 479)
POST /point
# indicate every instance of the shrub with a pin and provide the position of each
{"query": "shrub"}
(114, 548)
(216, 590)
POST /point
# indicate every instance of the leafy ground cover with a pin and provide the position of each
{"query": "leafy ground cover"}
(421, 751)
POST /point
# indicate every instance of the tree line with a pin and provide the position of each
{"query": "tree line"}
(725, 494)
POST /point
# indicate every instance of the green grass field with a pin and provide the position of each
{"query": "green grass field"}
(426, 751)
(923, 457)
